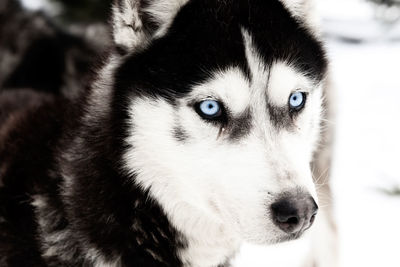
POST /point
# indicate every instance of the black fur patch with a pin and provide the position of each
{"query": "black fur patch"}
(180, 134)
(280, 116)
(240, 126)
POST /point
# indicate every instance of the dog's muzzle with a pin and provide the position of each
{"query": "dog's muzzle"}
(294, 212)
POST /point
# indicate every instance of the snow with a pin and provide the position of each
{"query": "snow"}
(367, 78)
(367, 152)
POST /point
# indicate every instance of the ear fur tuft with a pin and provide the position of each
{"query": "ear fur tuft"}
(304, 10)
(136, 22)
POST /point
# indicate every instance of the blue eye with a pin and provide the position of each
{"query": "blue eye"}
(209, 109)
(297, 100)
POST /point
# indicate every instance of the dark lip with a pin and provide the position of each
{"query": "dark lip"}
(290, 237)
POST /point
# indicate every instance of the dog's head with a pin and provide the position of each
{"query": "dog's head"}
(223, 104)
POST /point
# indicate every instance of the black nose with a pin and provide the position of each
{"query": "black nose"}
(294, 212)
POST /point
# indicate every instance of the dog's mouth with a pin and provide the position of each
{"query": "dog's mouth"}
(294, 236)
(288, 237)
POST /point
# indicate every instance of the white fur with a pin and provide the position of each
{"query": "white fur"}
(230, 86)
(217, 191)
(164, 11)
(127, 25)
(283, 81)
(324, 240)
(101, 89)
(297, 7)
(304, 11)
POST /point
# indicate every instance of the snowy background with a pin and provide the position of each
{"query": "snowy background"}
(367, 155)
(364, 48)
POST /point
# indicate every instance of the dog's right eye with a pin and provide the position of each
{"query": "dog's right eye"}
(209, 109)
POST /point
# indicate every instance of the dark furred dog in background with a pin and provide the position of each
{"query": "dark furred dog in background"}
(37, 53)
(199, 132)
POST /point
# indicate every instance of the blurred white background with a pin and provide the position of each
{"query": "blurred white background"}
(363, 44)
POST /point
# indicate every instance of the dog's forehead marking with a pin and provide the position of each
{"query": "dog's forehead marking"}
(277, 79)
(272, 85)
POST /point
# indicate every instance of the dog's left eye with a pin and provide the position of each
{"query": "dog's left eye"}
(297, 101)
(209, 109)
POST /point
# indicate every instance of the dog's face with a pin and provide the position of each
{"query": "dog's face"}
(223, 103)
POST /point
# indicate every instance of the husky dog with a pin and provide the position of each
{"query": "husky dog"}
(198, 134)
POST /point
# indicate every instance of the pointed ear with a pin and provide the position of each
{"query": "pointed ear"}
(136, 22)
(304, 10)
